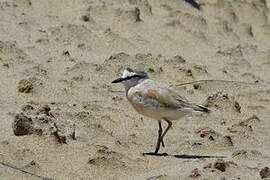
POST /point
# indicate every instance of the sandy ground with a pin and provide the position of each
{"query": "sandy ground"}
(63, 54)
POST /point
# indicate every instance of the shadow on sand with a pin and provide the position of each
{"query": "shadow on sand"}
(183, 156)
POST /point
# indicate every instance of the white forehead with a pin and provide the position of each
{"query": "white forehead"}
(127, 73)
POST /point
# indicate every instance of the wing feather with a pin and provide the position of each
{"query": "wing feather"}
(151, 94)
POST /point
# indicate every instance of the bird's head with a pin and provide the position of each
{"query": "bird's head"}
(131, 77)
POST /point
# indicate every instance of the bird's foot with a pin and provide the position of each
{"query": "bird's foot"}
(155, 154)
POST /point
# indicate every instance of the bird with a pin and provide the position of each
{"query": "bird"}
(156, 100)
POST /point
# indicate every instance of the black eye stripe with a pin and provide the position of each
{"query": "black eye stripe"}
(130, 77)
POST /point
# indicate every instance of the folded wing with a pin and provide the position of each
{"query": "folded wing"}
(153, 95)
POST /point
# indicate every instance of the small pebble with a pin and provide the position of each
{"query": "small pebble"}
(25, 86)
(265, 172)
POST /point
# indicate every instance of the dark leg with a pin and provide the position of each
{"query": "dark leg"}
(159, 140)
(166, 130)
(160, 133)
(159, 137)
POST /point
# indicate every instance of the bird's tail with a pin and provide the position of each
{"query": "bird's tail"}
(202, 109)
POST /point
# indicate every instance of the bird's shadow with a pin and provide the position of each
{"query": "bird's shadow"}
(184, 156)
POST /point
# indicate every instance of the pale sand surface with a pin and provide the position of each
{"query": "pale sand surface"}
(70, 50)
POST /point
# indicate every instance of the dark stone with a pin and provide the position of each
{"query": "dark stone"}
(22, 125)
(265, 172)
(25, 86)
(220, 165)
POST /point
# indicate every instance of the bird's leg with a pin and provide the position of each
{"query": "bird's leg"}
(160, 133)
(166, 130)
(159, 140)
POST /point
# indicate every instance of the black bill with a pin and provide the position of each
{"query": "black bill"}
(118, 80)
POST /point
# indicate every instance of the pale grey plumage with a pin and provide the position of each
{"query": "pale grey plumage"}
(159, 101)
